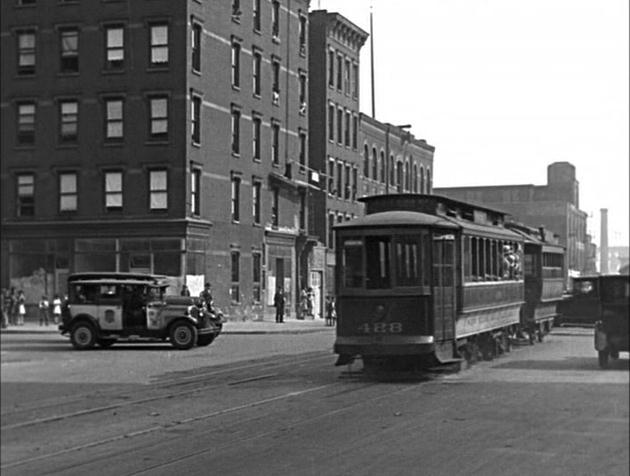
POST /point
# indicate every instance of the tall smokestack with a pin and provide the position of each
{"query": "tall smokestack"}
(603, 244)
(372, 63)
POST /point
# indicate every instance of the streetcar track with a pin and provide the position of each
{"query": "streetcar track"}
(201, 385)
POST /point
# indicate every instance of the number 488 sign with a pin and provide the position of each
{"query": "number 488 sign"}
(381, 328)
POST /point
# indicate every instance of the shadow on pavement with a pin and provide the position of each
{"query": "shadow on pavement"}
(569, 363)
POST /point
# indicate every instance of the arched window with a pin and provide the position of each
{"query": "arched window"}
(366, 161)
(407, 176)
(392, 171)
(399, 176)
(374, 163)
(382, 176)
(429, 184)
(415, 178)
(422, 179)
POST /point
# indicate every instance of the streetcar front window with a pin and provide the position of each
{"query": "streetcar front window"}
(377, 258)
(353, 263)
(409, 260)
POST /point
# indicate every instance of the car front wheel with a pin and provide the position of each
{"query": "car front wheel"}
(183, 335)
(83, 336)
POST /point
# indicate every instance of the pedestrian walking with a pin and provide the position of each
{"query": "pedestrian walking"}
(303, 303)
(331, 311)
(13, 307)
(21, 301)
(4, 303)
(206, 297)
(44, 308)
(56, 304)
(278, 301)
(310, 300)
(185, 291)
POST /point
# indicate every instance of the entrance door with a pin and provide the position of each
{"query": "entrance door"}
(443, 286)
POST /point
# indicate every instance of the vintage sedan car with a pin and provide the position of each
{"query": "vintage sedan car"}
(580, 306)
(611, 328)
(103, 308)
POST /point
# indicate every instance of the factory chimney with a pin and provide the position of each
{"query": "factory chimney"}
(603, 243)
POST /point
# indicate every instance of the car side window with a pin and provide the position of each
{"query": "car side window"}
(83, 294)
(108, 293)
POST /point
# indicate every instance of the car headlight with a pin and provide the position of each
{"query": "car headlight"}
(193, 311)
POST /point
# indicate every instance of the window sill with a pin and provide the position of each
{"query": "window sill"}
(157, 142)
(236, 155)
(196, 72)
(276, 39)
(195, 144)
(157, 68)
(107, 71)
(236, 87)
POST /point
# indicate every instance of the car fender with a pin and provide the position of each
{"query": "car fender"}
(82, 318)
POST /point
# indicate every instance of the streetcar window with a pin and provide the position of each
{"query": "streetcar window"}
(378, 274)
(352, 268)
(409, 261)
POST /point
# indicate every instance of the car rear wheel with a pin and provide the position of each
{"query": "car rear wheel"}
(83, 336)
(183, 335)
(603, 358)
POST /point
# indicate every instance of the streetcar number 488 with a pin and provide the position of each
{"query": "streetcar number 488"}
(381, 328)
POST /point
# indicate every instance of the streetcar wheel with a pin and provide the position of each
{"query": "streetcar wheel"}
(105, 343)
(603, 358)
(183, 335)
(83, 336)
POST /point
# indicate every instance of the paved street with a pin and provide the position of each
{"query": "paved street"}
(275, 404)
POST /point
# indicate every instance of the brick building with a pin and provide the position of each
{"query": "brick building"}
(554, 206)
(159, 136)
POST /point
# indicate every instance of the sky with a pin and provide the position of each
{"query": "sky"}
(503, 88)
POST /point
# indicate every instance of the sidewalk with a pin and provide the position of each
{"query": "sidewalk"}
(289, 326)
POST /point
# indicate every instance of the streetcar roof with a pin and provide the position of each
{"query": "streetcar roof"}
(398, 218)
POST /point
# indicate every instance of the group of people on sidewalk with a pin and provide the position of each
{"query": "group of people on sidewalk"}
(13, 304)
(306, 307)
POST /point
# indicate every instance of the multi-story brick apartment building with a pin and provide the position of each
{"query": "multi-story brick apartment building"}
(554, 206)
(155, 135)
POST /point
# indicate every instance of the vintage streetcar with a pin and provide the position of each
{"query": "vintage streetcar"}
(103, 308)
(425, 279)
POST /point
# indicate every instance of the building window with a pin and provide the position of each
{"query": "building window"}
(339, 176)
(275, 19)
(196, 46)
(236, 276)
(331, 176)
(302, 92)
(257, 63)
(256, 127)
(26, 123)
(346, 77)
(25, 195)
(302, 211)
(69, 47)
(355, 131)
(366, 161)
(26, 52)
(340, 126)
(236, 131)
(256, 276)
(339, 71)
(346, 185)
(302, 152)
(195, 192)
(331, 122)
(68, 196)
(235, 201)
(331, 231)
(331, 68)
(414, 177)
(383, 175)
(236, 64)
(158, 190)
(355, 80)
(429, 185)
(115, 47)
(275, 207)
(346, 132)
(159, 45)
(275, 143)
(256, 14)
(422, 190)
(69, 121)
(374, 164)
(275, 87)
(355, 181)
(302, 35)
(236, 9)
(114, 119)
(256, 201)
(113, 191)
(195, 119)
(392, 170)
(159, 117)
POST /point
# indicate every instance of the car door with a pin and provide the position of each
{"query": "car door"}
(110, 307)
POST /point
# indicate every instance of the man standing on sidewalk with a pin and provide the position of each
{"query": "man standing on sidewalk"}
(278, 301)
